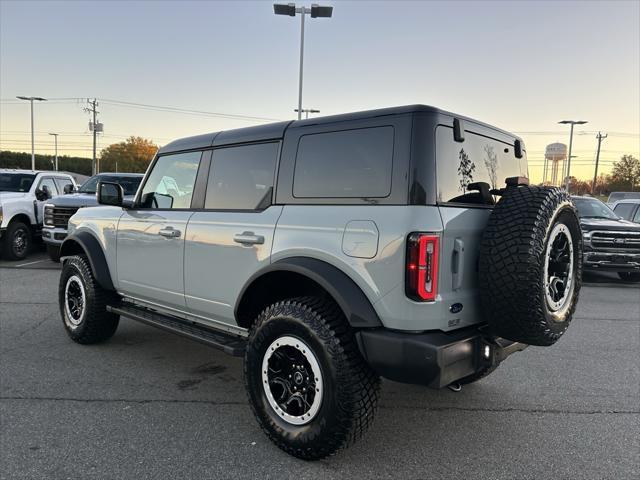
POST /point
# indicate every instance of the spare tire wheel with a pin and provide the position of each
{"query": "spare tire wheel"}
(530, 268)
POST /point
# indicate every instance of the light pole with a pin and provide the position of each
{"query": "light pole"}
(316, 11)
(33, 150)
(55, 135)
(572, 123)
(307, 111)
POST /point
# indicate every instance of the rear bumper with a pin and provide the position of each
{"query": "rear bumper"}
(435, 359)
(614, 262)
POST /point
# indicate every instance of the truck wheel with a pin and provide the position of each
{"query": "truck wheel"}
(308, 386)
(54, 253)
(83, 303)
(17, 241)
(629, 276)
(530, 268)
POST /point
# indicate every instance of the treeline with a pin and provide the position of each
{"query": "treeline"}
(45, 162)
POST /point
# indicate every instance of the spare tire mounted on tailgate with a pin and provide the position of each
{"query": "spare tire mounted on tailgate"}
(531, 264)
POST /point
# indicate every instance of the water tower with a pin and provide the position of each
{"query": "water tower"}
(555, 155)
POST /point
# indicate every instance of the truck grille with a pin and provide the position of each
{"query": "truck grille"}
(58, 216)
(621, 241)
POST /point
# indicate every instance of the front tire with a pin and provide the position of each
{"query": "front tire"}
(83, 303)
(308, 386)
(629, 276)
(17, 241)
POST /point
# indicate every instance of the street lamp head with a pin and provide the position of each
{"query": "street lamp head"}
(31, 98)
(285, 9)
(318, 11)
(574, 122)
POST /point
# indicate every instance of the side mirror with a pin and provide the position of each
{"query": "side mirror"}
(68, 188)
(109, 193)
(41, 196)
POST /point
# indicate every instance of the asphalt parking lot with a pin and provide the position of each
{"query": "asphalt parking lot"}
(151, 405)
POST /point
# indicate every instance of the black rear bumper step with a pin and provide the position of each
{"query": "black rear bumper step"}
(230, 344)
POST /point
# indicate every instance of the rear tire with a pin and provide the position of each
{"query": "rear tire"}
(306, 344)
(530, 268)
(54, 253)
(83, 303)
(17, 241)
(629, 276)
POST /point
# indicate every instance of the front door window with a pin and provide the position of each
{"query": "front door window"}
(170, 184)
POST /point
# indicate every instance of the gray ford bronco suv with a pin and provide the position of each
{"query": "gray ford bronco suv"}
(403, 243)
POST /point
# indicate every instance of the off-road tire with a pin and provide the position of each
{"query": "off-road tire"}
(54, 253)
(94, 324)
(512, 263)
(629, 276)
(350, 387)
(8, 250)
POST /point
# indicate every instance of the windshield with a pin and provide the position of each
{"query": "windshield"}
(592, 208)
(129, 184)
(16, 182)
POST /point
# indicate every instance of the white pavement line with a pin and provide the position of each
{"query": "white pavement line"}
(29, 263)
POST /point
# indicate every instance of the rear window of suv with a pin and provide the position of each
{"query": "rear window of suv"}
(345, 164)
(477, 159)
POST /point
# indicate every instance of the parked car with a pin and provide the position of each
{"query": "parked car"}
(611, 243)
(404, 243)
(615, 196)
(23, 194)
(628, 209)
(58, 210)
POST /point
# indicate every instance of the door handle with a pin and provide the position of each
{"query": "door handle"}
(457, 265)
(169, 232)
(248, 238)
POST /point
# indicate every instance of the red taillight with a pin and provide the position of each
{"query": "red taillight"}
(422, 266)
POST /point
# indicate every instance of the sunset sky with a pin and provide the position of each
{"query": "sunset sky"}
(522, 66)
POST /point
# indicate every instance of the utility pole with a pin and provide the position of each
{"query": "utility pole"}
(33, 150)
(55, 135)
(600, 137)
(94, 127)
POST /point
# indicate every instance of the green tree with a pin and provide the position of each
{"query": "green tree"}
(132, 155)
(626, 172)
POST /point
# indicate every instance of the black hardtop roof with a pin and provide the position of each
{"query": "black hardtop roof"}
(276, 130)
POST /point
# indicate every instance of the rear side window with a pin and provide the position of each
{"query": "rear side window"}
(347, 164)
(241, 178)
(477, 159)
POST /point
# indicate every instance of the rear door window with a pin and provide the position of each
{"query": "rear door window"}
(477, 159)
(345, 164)
(241, 177)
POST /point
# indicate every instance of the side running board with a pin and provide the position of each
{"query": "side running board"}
(230, 344)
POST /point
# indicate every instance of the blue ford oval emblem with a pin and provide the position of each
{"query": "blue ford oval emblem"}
(455, 308)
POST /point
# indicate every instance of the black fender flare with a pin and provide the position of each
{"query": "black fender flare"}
(348, 295)
(93, 250)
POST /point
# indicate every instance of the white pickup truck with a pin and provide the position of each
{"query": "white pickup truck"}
(23, 194)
